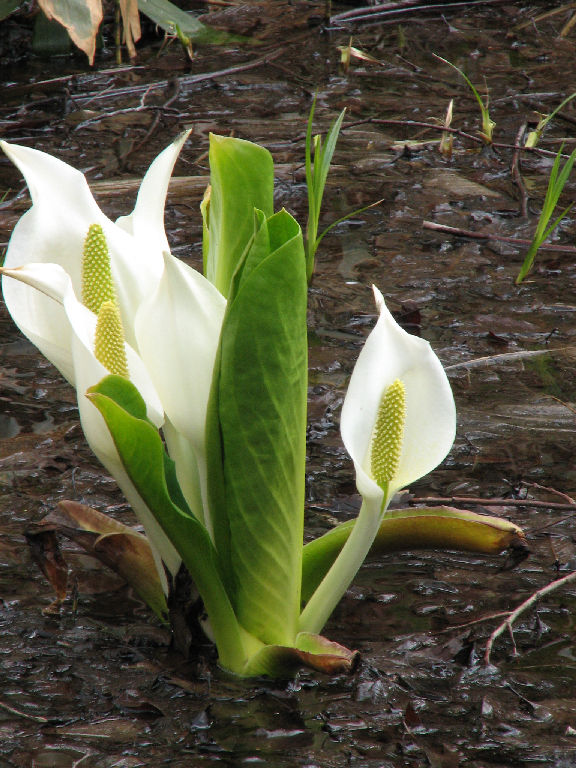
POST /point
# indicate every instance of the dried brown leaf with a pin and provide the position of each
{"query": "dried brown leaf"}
(45, 552)
(131, 25)
(81, 18)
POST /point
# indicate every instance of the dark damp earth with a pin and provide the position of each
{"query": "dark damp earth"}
(97, 685)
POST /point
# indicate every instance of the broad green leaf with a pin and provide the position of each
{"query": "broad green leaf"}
(269, 235)
(258, 412)
(49, 38)
(241, 179)
(404, 530)
(169, 17)
(142, 454)
(258, 248)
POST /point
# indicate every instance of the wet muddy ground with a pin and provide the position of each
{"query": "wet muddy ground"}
(98, 685)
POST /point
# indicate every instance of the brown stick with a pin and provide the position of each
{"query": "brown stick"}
(546, 488)
(518, 241)
(520, 610)
(186, 80)
(457, 131)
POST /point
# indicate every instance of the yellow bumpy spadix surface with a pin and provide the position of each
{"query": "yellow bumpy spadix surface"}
(97, 285)
(388, 434)
(109, 346)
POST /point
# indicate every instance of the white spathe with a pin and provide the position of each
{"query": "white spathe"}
(55, 284)
(391, 353)
(53, 231)
(179, 353)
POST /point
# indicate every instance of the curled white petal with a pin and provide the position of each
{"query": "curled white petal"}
(146, 221)
(48, 330)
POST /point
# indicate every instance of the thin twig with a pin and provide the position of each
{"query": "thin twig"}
(564, 496)
(474, 235)
(494, 502)
(472, 623)
(403, 6)
(165, 107)
(18, 713)
(457, 131)
(186, 80)
(505, 357)
(540, 593)
(158, 108)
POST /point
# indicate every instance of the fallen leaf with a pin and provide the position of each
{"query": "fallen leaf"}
(81, 18)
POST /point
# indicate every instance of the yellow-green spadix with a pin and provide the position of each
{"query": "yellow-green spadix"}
(53, 231)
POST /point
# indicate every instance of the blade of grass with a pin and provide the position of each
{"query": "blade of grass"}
(316, 175)
(556, 184)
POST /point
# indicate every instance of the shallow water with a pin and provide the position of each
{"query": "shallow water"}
(98, 685)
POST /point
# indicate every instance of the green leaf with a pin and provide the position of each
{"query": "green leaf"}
(256, 432)
(556, 184)
(488, 124)
(171, 18)
(50, 38)
(119, 389)
(142, 453)
(241, 179)
(406, 530)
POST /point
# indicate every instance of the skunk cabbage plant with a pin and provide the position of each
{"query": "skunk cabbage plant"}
(192, 392)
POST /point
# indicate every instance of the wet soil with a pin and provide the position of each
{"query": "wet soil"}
(98, 685)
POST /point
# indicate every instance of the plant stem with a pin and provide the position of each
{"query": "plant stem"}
(344, 569)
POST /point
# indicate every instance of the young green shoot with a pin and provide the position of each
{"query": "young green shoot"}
(534, 136)
(447, 140)
(316, 174)
(556, 184)
(488, 124)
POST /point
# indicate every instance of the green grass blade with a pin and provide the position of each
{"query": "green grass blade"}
(316, 175)
(535, 136)
(488, 124)
(556, 184)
